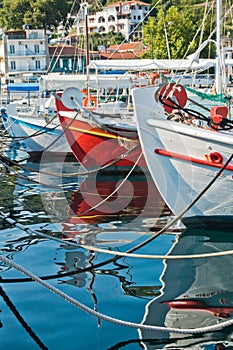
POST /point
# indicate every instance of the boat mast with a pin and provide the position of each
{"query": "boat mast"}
(85, 6)
(218, 43)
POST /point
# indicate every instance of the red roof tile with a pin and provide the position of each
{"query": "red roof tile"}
(118, 55)
(124, 47)
(121, 3)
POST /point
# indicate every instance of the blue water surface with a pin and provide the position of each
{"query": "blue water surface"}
(42, 199)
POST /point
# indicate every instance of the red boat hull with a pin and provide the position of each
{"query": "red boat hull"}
(95, 147)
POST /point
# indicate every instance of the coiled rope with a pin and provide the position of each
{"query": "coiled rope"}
(225, 124)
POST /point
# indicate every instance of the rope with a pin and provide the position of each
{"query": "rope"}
(21, 320)
(116, 189)
(226, 124)
(112, 252)
(52, 143)
(118, 254)
(4, 159)
(109, 318)
(38, 132)
(162, 257)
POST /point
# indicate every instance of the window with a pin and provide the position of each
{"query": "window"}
(37, 64)
(111, 18)
(12, 49)
(13, 65)
(36, 48)
(111, 28)
(101, 20)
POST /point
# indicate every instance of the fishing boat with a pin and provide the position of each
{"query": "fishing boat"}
(35, 132)
(104, 132)
(188, 149)
(34, 122)
(185, 157)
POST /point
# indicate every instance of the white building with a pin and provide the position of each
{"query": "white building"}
(120, 17)
(23, 51)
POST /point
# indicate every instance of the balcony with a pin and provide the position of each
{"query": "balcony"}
(28, 54)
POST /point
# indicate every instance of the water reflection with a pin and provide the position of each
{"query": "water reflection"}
(196, 293)
(111, 201)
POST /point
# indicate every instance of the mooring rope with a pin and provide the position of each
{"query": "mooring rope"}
(71, 243)
(142, 244)
(39, 132)
(162, 257)
(16, 313)
(116, 189)
(36, 133)
(54, 141)
(11, 172)
(121, 157)
(110, 319)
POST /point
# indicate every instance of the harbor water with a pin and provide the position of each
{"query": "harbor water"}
(66, 227)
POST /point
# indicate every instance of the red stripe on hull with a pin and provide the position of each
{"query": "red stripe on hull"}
(163, 152)
(94, 147)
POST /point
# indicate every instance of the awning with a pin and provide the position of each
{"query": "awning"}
(148, 64)
(23, 87)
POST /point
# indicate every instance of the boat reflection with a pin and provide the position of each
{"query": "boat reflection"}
(196, 292)
(111, 201)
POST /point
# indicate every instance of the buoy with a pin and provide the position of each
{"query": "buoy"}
(173, 96)
(215, 157)
(153, 78)
(87, 100)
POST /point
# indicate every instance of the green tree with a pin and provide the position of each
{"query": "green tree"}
(40, 13)
(12, 13)
(105, 39)
(149, 30)
(171, 34)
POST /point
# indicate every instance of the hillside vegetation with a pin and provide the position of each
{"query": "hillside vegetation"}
(174, 28)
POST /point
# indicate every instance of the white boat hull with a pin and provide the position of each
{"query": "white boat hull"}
(178, 157)
(36, 137)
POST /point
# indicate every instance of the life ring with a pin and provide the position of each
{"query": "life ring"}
(215, 157)
(140, 75)
(87, 100)
(153, 78)
(173, 91)
(84, 91)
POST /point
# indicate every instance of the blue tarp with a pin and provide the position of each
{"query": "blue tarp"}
(23, 87)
